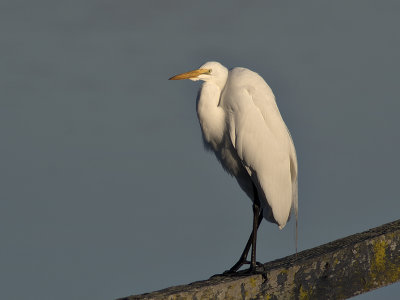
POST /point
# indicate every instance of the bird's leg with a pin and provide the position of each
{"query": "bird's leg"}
(242, 260)
(257, 218)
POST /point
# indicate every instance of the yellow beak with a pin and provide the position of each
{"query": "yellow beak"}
(190, 74)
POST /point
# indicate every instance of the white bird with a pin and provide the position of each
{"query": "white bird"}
(241, 123)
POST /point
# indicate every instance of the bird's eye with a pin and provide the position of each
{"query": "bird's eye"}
(209, 71)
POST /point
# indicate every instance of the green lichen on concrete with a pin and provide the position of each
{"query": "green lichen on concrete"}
(253, 282)
(378, 263)
(384, 269)
(305, 294)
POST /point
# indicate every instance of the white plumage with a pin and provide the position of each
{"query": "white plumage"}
(242, 124)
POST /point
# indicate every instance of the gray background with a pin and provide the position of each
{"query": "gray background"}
(106, 190)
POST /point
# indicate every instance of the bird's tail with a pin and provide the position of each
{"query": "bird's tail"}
(295, 197)
(294, 178)
(296, 210)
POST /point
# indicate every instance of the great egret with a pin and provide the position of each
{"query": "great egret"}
(242, 124)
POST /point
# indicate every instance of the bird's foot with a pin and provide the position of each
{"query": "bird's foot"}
(239, 264)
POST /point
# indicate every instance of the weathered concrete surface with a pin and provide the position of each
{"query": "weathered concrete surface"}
(337, 270)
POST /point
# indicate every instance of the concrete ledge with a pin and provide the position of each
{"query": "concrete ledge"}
(337, 270)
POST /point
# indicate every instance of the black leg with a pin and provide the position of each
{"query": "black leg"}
(257, 218)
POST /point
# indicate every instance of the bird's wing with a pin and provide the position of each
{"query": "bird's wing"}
(261, 139)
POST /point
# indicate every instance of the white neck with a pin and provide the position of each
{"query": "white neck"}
(211, 115)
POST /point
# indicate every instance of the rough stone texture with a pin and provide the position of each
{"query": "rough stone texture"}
(337, 270)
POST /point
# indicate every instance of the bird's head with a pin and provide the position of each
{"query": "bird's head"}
(211, 71)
